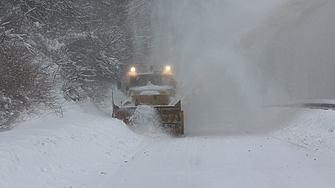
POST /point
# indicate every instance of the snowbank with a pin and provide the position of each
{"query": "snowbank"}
(79, 150)
(311, 129)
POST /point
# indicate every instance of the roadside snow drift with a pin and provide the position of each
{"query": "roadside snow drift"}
(312, 129)
(78, 150)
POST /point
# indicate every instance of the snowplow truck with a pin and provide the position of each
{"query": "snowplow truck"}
(156, 89)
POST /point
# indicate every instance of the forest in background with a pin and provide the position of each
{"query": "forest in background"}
(78, 48)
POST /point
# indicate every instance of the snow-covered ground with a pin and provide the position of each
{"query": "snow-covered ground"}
(79, 150)
(311, 129)
(87, 148)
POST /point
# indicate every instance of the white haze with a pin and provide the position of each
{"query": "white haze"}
(231, 57)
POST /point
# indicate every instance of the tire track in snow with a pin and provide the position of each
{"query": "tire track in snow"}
(231, 161)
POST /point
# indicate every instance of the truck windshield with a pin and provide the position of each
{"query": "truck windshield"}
(155, 79)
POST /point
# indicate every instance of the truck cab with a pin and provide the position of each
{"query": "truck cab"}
(151, 88)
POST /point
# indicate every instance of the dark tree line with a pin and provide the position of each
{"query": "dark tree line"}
(79, 47)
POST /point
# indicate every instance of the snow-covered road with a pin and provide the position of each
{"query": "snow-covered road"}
(228, 161)
(86, 148)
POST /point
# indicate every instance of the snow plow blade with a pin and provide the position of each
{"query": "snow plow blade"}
(171, 117)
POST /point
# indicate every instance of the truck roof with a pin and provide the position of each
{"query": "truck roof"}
(150, 73)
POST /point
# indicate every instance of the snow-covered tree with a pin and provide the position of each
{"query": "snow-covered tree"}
(25, 82)
(90, 42)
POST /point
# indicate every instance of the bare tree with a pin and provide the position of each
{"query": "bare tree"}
(25, 82)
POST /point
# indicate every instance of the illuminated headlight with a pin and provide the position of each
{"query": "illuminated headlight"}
(168, 68)
(133, 69)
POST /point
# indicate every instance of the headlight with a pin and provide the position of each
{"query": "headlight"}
(133, 69)
(168, 68)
